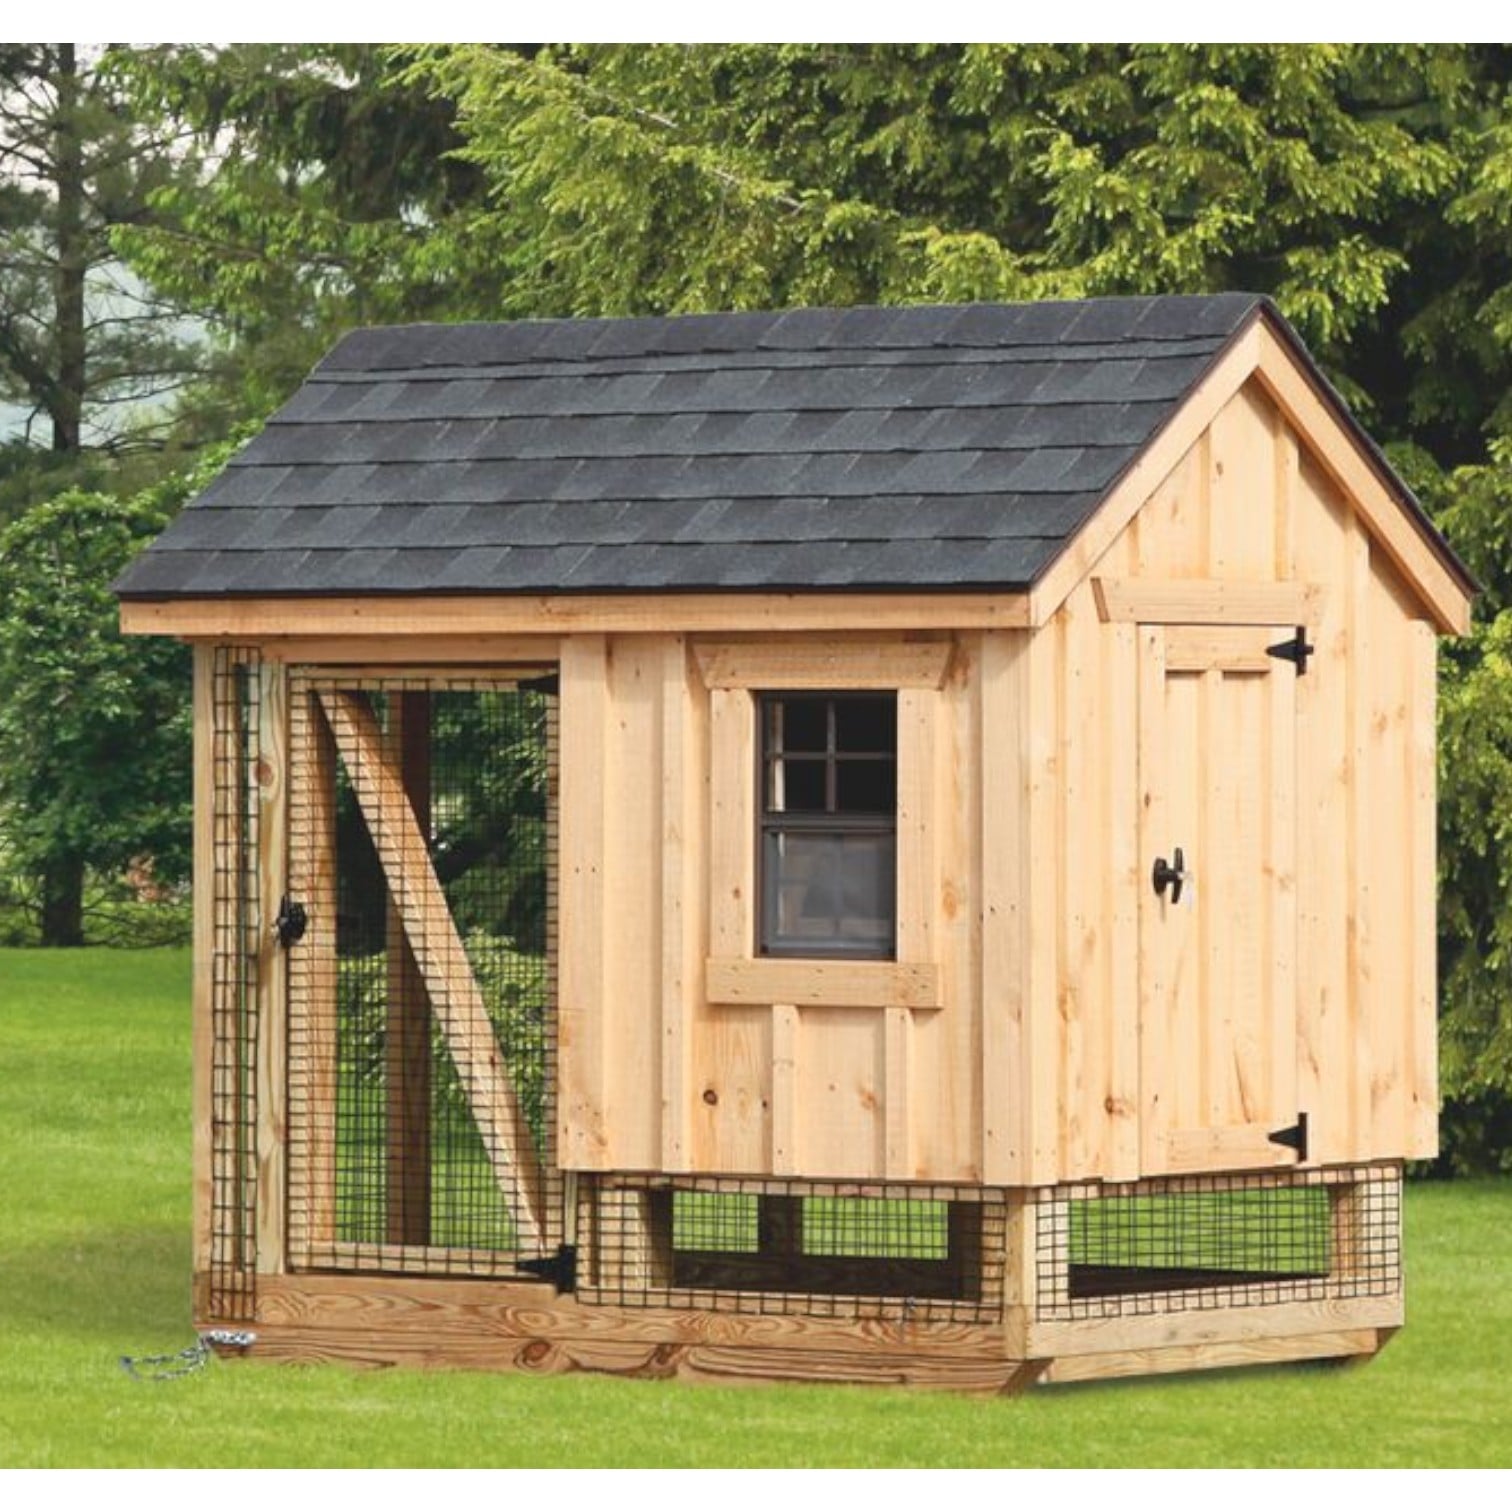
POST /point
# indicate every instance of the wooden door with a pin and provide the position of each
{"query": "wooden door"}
(1218, 976)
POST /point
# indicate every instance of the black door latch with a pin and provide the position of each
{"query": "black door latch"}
(291, 923)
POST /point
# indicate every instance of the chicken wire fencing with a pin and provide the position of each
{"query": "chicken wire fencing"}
(422, 1031)
(1193, 1243)
(235, 924)
(820, 1249)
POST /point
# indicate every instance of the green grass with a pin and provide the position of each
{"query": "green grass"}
(94, 1263)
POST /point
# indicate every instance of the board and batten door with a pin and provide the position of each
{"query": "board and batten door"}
(1218, 942)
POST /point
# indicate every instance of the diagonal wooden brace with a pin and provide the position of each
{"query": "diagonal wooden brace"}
(441, 958)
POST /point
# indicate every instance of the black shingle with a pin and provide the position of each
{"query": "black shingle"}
(938, 447)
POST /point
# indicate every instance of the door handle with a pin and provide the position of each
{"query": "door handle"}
(1166, 875)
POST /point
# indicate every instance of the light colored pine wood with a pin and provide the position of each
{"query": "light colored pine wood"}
(1421, 561)
(1338, 1344)
(1422, 1091)
(634, 993)
(682, 800)
(1357, 1070)
(829, 983)
(532, 655)
(1325, 1083)
(1221, 648)
(569, 614)
(1042, 860)
(583, 1142)
(732, 822)
(202, 1033)
(1158, 1088)
(271, 777)
(1207, 601)
(1122, 881)
(1242, 467)
(842, 1082)
(1232, 1147)
(1276, 1047)
(828, 664)
(1154, 463)
(786, 1135)
(1282, 1320)
(407, 1028)
(455, 1000)
(898, 1103)
(314, 972)
(1002, 989)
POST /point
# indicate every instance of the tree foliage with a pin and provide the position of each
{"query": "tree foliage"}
(94, 729)
(84, 345)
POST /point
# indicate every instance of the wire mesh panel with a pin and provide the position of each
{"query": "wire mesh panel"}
(422, 1029)
(820, 1249)
(1201, 1242)
(236, 930)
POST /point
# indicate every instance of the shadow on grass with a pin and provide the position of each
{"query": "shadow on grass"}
(105, 1284)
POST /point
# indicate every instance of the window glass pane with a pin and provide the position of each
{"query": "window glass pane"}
(795, 785)
(866, 787)
(797, 724)
(866, 724)
(833, 891)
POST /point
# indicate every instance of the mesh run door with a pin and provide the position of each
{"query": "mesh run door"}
(422, 1016)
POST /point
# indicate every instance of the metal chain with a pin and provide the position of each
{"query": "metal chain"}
(174, 1367)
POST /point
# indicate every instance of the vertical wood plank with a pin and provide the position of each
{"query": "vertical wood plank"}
(316, 979)
(1242, 465)
(918, 891)
(271, 777)
(202, 1029)
(732, 821)
(841, 1084)
(1007, 1090)
(1279, 1003)
(1356, 1070)
(785, 1132)
(1157, 1086)
(948, 1057)
(897, 1104)
(1121, 899)
(733, 1062)
(407, 1047)
(1422, 1045)
(583, 1139)
(1326, 815)
(634, 993)
(681, 796)
(1042, 776)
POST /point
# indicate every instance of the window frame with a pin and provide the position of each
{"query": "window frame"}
(824, 823)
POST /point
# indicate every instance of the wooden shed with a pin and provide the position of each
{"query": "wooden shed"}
(854, 844)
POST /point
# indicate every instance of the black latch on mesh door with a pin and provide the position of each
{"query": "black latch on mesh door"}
(291, 923)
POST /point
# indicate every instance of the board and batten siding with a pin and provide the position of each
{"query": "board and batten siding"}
(1023, 1045)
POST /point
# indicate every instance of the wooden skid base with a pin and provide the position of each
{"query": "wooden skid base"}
(377, 1321)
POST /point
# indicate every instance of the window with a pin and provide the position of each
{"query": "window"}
(828, 824)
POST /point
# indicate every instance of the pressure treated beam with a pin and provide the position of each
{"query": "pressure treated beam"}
(440, 956)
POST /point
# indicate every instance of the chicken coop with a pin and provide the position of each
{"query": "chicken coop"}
(879, 844)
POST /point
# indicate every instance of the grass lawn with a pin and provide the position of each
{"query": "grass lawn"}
(94, 1263)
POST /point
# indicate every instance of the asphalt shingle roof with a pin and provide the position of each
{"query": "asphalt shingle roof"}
(926, 447)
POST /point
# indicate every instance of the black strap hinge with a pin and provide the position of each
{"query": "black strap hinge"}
(1294, 1138)
(1296, 650)
(560, 1269)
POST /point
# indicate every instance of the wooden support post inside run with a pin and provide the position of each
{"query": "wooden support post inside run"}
(407, 1019)
(442, 959)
